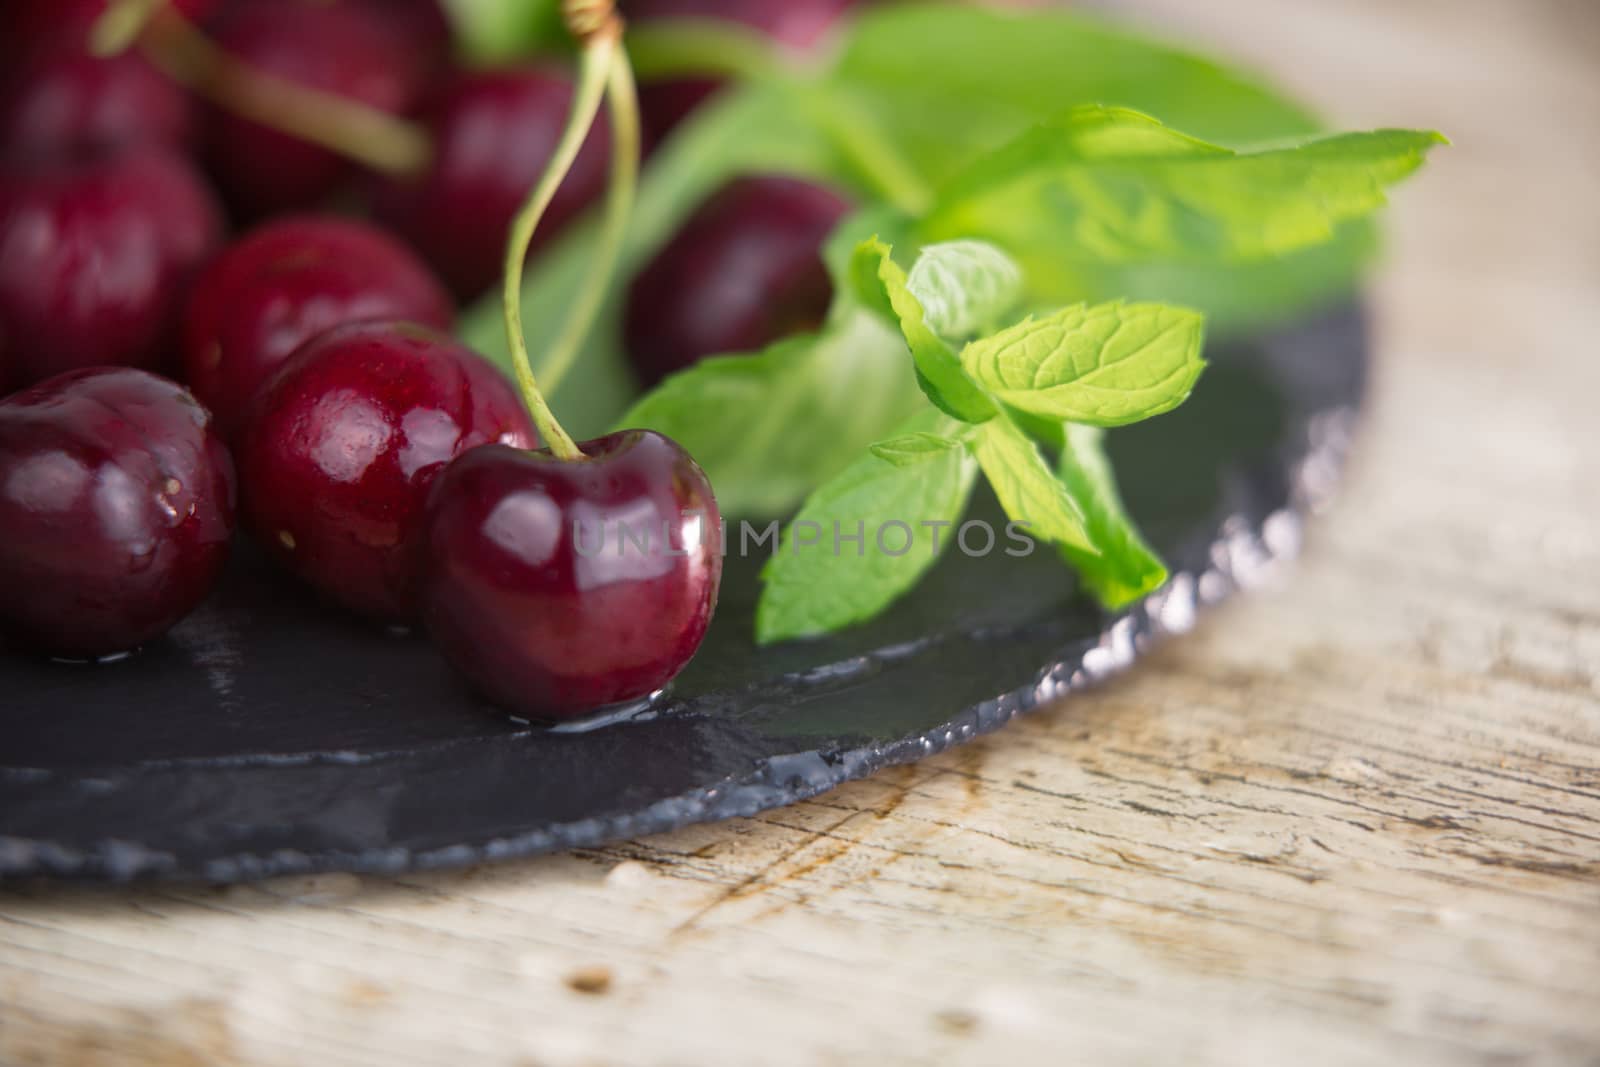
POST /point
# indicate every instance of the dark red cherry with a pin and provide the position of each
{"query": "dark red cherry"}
(283, 284)
(32, 26)
(116, 506)
(338, 48)
(493, 135)
(68, 101)
(745, 270)
(558, 587)
(421, 25)
(95, 255)
(339, 449)
(796, 24)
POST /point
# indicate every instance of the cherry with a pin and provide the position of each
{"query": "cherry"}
(116, 498)
(421, 24)
(338, 451)
(94, 256)
(560, 586)
(797, 24)
(494, 133)
(31, 26)
(341, 49)
(283, 284)
(744, 270)
(69, 101)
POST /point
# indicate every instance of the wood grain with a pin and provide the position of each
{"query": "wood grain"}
(1354, 819)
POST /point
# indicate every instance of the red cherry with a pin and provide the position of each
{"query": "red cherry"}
(745, 270)
(116, 502)
(561, 586)
(94, 257)
(33, 26)
(67, 101)
(494, 132)
(280, 286)
(337, 48)
(338, 451)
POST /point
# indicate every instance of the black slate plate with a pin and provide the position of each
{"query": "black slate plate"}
(267, 736)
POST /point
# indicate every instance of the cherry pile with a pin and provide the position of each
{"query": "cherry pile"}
(148, 238)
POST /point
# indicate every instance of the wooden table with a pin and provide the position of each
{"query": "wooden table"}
(1356, 818)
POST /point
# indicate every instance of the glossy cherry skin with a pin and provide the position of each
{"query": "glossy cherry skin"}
(281, 285)
(744, 270)
(494, 132)
(796, 24)
(559, 587)
(67, 102)
(95, 255)
(117, 505)
(338, 48)
(339, 449)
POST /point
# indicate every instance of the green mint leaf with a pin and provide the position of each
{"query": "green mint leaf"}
(751, 129)
(907, 450)
(1027, 488)
(949, 83)
(815, 584)
(965, 287)
(1106, 366)
(939, 371)
(1255, 296)
(855, 277)
(769, 428)
(1092, 187)
(1123, 568)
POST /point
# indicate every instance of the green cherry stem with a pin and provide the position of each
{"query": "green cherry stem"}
(119, 27)
(600, 47)
(622, 96)
(354, 130)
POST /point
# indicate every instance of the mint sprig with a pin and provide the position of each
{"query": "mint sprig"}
(1053, 380)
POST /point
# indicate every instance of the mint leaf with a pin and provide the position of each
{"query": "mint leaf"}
(1105, 366)
(1092, 187)
(1122, 568)
(965, 287)
(907, 450)
(1026, 487)
(949, 82)
(939, 372)
(1247, 296)
(752, 129)
(769, 428)
(816, 584)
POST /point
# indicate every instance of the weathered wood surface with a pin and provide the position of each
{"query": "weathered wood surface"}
(1354, 819)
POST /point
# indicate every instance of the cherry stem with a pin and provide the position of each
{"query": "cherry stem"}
(600, 46)
(366, 134)
(120, 25)
(623, 101)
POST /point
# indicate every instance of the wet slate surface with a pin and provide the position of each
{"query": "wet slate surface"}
(268, 736)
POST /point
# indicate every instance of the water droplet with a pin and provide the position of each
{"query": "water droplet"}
(612, 714)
